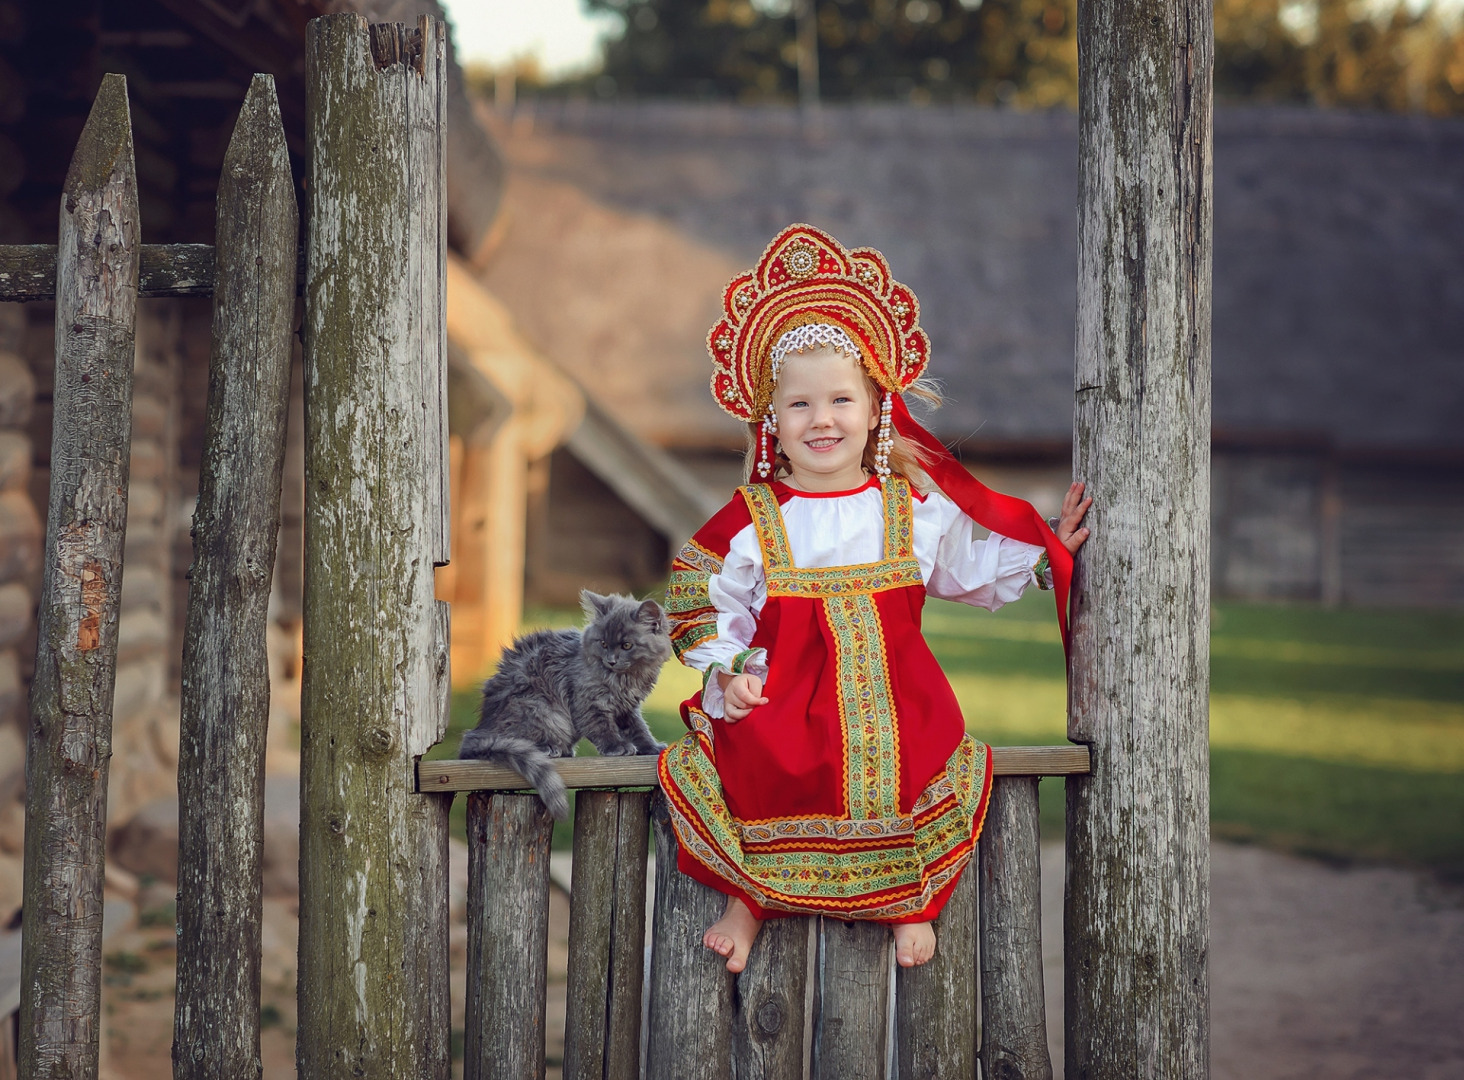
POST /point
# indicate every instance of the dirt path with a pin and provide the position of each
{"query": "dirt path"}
(1315, 971)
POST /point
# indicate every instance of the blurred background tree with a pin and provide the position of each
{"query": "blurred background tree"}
(1372, 54)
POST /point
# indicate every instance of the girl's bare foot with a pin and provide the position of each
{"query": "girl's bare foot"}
(732, 935)
(914, 943)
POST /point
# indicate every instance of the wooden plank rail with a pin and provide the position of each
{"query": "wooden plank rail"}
(28, 271)
(641, 771)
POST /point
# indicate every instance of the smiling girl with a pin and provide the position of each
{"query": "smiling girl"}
(827, 769)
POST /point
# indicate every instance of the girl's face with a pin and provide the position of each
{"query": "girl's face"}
(825, 414)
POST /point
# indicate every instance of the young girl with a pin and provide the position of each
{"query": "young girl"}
(827, 769)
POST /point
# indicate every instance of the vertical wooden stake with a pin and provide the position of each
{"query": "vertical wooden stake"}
(225, 668)
(1013, 1006)
(851, 1000)
(691, 989)
(935, 1004)
(76, 650)
(373, 912)
(1137, 904)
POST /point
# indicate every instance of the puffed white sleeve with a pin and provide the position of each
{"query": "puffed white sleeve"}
(731, 595)
(987, 572)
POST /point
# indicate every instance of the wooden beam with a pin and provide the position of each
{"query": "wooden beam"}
(641, 771)
(1138, 833)
(28, 271)
(373, 990)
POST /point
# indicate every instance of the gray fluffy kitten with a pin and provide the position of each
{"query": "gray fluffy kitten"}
(554, 687)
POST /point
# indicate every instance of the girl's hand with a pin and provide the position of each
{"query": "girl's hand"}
(740, 695)
(1074, 506)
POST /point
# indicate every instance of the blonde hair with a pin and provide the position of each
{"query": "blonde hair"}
(907, 459)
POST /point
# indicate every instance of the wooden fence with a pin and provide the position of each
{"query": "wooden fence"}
(373, 976)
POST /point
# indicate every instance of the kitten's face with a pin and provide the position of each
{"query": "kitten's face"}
(625, 634)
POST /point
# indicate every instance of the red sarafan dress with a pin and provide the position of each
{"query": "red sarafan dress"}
(855, 791)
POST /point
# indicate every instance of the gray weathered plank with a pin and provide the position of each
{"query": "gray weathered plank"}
(641, 771)
(606, 936)
(628, 937)
(691, 989)
(371, 697)
(70, 739)
(591, 912)
(1137, 903)
(508, 936)
(851, 1000)
(935, 1003)
(1013, 1008)
(28, 271)
(225, 696)
(767, 1026)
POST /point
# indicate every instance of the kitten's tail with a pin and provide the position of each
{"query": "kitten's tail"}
(524, 757)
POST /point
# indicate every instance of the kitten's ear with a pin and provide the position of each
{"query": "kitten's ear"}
(650, 613)
(593, 604)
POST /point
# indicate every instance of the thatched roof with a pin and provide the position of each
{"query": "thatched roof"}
(1338, 275)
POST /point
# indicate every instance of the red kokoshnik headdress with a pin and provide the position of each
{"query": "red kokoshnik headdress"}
(805, 278)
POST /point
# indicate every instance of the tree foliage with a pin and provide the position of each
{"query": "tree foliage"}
(1356, 53)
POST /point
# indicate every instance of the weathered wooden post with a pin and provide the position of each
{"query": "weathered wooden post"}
(373, 853)
(76, 650)
(225, 669)
(1137, 904)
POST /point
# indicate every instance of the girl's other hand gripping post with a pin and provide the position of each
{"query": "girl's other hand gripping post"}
(1074, 506)
(740, 695)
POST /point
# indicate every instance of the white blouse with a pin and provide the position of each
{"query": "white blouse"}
(846, 530)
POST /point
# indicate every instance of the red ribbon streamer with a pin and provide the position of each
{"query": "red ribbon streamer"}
(1004, 514)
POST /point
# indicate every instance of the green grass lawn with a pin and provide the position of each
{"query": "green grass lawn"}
(1337, 734)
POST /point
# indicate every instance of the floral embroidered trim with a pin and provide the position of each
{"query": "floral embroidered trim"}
(688, 599)
(767, 519)
(866, 709)
(843, 580)
(850, 879)
(739, 662)
(899, 522)
(1042, 571)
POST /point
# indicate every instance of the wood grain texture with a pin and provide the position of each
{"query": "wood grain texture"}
(71, 696)
(28, 271)
(628, 938)
(1013, 1008)
(225, 697)
(1137, 898)
(372, 696)
(691, 989)
(851, 1000)
(768, 1018)
(641, 771)
(935, 1004)
(606, 936)
(508, 937)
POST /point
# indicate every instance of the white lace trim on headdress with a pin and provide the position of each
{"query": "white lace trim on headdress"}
(803, 338)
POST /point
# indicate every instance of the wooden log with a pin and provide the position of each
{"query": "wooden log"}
(1137, 896)
(691, 989)
(508, 937)
(769, 1008)
(76, 652)
(375, 527)
(225, 699)
(935, 1004)
(641, 771)
(606, 936)
(1013, 1008)
(851, 1000)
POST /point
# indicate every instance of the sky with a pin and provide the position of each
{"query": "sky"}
(556, 32)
